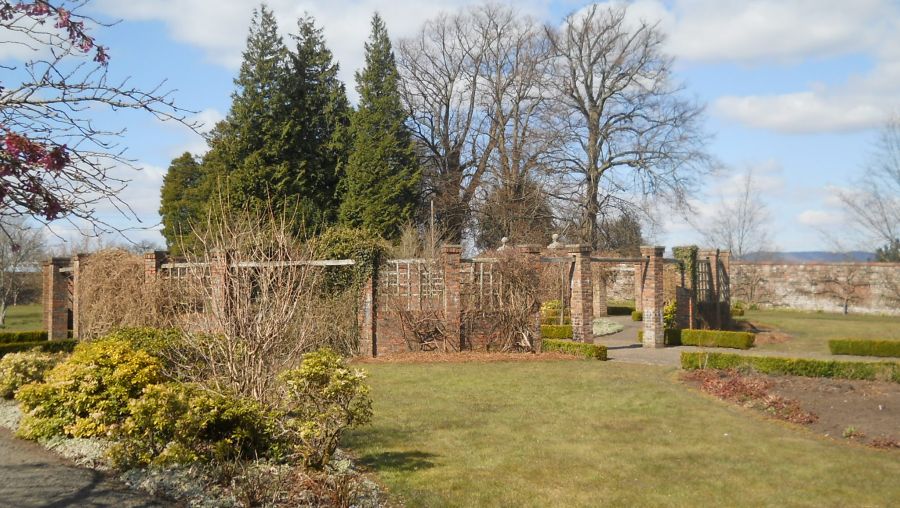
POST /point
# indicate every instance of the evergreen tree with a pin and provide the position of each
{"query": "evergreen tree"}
(183, 199)
(280, 147)
(382, 176)
(315, 129)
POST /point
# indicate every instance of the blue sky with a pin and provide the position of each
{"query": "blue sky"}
(795, 90)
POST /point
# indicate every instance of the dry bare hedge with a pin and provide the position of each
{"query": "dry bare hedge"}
(113, 294)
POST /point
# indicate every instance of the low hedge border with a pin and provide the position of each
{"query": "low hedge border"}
(865, 347)
(619, 310)
(881, 371)
(30, 336)
(587, 350)
(717, 338)
(637, 315)
(50, 346)
(556, 331)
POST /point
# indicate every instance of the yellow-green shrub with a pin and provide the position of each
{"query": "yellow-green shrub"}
(323, 397)
(19, 369)
(556, 331)
(178, 423)
(717, 338)
(587, 350)
(865, 347)
(637, 315)
(89, 392)
(887, 371)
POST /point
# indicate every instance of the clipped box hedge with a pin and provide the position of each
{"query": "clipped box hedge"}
(637, 315)
(31, 336)
(864, 347)
(886, 371)
(587, 350)
(50, 346)
(619, 310)
(556, 331)
(717, 338)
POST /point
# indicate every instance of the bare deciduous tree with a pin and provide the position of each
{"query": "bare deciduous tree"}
(741, 220)
(630, 133)
(59, 157)
(21, 250)
(847, 285)
(439, 84)
(873, 204)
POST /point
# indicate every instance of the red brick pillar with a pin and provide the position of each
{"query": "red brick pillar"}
(639, 285)
(654, 331)
(531, 256)
(452, 260)
(601, 307)
(56, 299)
(152, 263)
(582, 298)
(368, 317)
(77, 265)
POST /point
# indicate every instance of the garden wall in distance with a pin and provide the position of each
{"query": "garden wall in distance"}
(871, 288)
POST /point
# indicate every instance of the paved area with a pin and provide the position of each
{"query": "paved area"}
(31, 476)
(623, 347)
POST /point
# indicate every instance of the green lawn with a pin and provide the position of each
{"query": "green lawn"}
(812, 330)
(23, 318)
(593, 433)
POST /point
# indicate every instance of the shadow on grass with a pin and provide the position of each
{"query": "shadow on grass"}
(398, 461)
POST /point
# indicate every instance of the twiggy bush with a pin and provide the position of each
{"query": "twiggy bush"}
(259, 297)
(19, 369)
(323, 397)
(113, 294)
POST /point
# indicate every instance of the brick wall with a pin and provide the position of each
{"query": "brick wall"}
(866, 287)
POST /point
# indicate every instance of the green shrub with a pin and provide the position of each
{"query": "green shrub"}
(587, 350)
(618, 310)
(556, 331)
(151, 340)
(555, 320)
(178, 423)
(323, 398)
(48, 346)
(670, 315)
(637, 315)
(344, 242)
(89, 392)
(863, 347)
(793, 366)
(737, 312)
(19, 369)
(551, 308)
(671, 337)
(717, 338)
(32, 336)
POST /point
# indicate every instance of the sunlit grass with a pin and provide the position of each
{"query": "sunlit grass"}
(586, 433)
(810, 331)
(23, 318)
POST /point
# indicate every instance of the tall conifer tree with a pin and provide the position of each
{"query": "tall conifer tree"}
(381, 181)
(182, 206)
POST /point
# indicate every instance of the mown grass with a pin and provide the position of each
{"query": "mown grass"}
(577, 433)
(23, 318)
(811, 331)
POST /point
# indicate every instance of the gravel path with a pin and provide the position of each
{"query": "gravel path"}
(31, 476)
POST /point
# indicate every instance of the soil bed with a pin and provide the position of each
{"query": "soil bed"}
(866, 412)
(871, 408)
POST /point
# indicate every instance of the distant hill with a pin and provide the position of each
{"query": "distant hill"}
(810, 256)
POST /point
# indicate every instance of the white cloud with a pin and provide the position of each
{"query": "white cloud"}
(818, 218)
(220, 28)
(784, 32)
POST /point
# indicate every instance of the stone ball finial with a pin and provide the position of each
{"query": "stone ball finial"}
(555, 243)
(503, 242)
